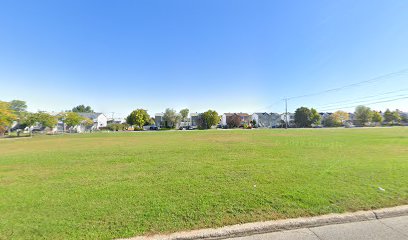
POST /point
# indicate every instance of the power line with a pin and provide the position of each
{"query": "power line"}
(390, 100)
(382, 77)
(366, 97)
(364, 101)
(269, 106)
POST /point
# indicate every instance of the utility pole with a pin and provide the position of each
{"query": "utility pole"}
(286, 114)
(113, 120)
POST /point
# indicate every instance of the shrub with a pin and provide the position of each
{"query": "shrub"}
(233, 121)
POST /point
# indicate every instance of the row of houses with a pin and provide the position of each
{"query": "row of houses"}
(258, 119)
(99, 121)
(262, 120)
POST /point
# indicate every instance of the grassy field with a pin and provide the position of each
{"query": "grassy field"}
(110, 185)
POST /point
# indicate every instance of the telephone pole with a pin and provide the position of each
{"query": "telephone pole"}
(286, 114)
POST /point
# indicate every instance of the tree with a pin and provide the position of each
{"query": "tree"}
(377, 118)
(138, 117)
(7, 117)
(18, 107)
(87, 122)
(253, 122)
(388, 116)
(152, 121)
(72, 119)
(303, 117)
(396, 116)
(330, 121)
(171, 117)
(42, 118)
(341, 116)
(363, 114)
(184, 114)
(82, 109)
(233, 121)
(207, 119)
(404, 118)
(315, 117)
(337, 119)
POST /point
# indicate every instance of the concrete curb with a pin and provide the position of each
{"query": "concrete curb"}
(279, 225)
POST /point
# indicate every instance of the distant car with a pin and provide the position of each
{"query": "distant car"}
(186, 128)
(154, 127)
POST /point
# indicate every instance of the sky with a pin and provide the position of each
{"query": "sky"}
(229, 55)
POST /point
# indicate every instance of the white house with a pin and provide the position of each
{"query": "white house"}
(99, 119)
(266, 120)
(291, 118)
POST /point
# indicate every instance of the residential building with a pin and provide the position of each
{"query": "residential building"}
(324, 115)
(245, 118)
(290, 119)
(158, 120)
(266, 120)
(99, 119)
(193, 119)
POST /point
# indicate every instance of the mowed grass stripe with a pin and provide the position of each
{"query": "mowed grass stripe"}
(111, 185)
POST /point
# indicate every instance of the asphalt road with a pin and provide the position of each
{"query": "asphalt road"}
(395, 228)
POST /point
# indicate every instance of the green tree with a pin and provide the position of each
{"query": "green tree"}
(363, 114)
(396, 116)
(377, 118)
(330, 121)
(184, 114)
(315, 117)
(208, 119)
(87, 122)
(18, 106)
(303, 117)
(138, 117)
(7, 117)
(82, 109)
(171, 117)
(388, 117)
(72, 119)
(42, 118)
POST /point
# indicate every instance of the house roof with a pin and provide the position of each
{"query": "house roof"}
(159, 114)
(90, 115)
(262, 113)
(239, 114)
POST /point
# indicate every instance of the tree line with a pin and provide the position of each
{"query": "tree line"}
(362, 116)
(16, 111)
(172, 118)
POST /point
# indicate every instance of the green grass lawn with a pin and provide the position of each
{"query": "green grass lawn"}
(111, 185)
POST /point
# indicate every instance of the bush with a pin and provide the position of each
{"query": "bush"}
(138, 128)
(117, 126)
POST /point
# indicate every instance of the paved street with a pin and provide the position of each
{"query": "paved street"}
(388, 228)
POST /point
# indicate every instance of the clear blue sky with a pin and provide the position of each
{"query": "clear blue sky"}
(224, 55)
